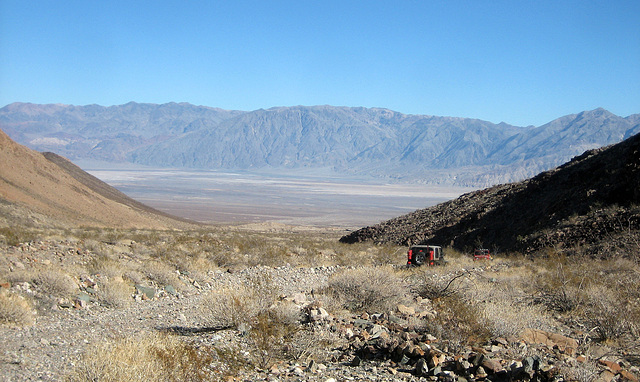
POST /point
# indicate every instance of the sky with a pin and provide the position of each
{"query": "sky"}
(520, 62)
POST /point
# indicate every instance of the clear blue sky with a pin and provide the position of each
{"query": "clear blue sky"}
(522, 62)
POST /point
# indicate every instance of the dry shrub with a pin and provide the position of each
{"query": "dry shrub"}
(134, 276)
(332, 252)
(278, 335)
(458, 323)
(604, 295)
(285, 313)
(558, 293)
(460, 318)
(457, 260)
(580, 372)
(435, 286)
(261, 283)
(92, 245)
(610, 316)
(370, 289)
(197, 267)
(313, 342)
(19, 276)
(16, 235)
(55, 283)
(505, 317)
(162, 273)
(115, 293)
(231, 307)
(105, 266)
(270, 335)
(504, 304)
(15, 310)
(148, 358)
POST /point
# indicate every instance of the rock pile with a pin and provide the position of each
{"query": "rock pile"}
(391, 346)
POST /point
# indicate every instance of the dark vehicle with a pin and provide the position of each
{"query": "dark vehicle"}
(482, 254)
(425, 254)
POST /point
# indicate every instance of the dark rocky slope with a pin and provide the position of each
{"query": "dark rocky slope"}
(590, 201)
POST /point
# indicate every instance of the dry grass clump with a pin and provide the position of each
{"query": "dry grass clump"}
(230, 307)
(271, 334)
(55, 283)
(106, 266)
(15, 310)
(367, 289)
(458, 323)
(115, 293)
(475, 301)
(602, 294)
(161, 273)
(15, 235)
(147, 357)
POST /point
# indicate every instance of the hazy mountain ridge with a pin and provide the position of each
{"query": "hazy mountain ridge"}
(371, 141)
(104, 133)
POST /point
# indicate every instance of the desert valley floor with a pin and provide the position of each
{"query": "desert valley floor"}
(297, 198)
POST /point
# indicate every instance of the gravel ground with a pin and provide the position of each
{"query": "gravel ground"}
(47, 350)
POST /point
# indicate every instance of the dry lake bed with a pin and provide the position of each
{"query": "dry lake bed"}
(297, 197)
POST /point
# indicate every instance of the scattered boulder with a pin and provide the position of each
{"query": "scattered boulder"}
(146, 293)
(421, 368)
(171, 290)
(551, 340)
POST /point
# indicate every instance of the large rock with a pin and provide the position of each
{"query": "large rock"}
(536, 336)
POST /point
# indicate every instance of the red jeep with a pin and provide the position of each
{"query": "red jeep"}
(425, 254)
(482, 254)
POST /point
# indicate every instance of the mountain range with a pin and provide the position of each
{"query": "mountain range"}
(352, 141)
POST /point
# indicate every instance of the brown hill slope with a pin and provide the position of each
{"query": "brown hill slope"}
(48, 189)
(590, 202)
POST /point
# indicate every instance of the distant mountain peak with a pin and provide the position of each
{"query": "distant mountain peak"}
(598, 112)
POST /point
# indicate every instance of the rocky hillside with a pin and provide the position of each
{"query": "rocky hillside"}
(46, 189)
(591, 201)
(360, 141)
